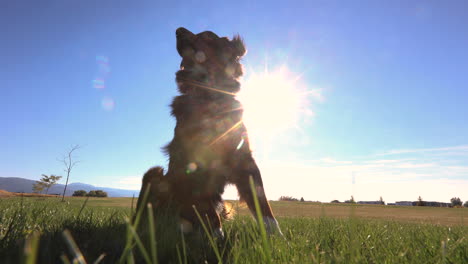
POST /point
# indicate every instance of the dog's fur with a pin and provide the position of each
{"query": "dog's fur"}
(210, 148)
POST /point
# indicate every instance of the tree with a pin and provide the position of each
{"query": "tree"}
(38, 187)
(351, 200)
(302, 199)
(48, 181)
(456, 201)
(420, 202)
(101, 193)
(69, 164)
(465, 204)
(80, 193)
(335, 201)
(288, 198)
(97, 193)
(382, 202)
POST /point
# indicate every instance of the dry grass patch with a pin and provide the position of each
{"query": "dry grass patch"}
(432, 215)
(6, 194)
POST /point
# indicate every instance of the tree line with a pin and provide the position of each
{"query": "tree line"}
(94, 193)
(454, 202)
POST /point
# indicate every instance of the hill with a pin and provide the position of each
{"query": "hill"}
(14, 184)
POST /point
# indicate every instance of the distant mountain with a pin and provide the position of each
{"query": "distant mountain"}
(13, 184)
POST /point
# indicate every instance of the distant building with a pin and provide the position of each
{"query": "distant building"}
(406, 203)
(438, 204)
(426, 203)
(369, 202)
(391, 203)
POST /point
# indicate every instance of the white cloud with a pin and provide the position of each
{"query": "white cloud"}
(329, 183)
(462, 149)
(436, 178)
(123, 182)
(330, 160)
(388, 161)
(414, 165)
(133, 181)
(327, 179)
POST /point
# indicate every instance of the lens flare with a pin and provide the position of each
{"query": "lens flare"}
(108, 104)
(99, 83)
(273, 101)
(191, 167)
(103, 70)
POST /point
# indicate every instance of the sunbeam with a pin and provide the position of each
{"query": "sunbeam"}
(225, 133)
(274, 101)
(204, 86)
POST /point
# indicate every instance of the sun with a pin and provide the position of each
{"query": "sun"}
(273, 101)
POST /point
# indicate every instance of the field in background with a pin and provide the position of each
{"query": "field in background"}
(6, 194)
(315, 233)
(432, 215)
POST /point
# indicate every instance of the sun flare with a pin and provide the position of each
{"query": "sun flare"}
(273, 101)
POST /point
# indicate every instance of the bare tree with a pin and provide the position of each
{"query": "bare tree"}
(69, 164)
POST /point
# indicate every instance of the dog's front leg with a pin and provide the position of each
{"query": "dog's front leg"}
(246, 168)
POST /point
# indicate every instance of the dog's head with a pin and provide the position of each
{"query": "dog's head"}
(209, 62)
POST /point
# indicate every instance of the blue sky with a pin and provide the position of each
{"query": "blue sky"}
(385, 108)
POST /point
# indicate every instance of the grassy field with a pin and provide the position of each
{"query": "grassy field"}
(422, 214)
(314, 233)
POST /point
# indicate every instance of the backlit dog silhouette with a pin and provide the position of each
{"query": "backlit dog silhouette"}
(210, 148)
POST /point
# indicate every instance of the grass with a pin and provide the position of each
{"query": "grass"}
(415, 214)
(32, 231)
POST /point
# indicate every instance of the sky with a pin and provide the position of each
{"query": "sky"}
(379, 89)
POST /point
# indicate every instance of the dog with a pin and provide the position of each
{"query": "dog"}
(210, 148)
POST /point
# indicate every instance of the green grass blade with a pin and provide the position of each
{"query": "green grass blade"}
(31, 248)
(99, 259)
(139, 244)
(266, 246)
(82, 207)
(184, 248)
(127, 252)
(142, 208)
(152, 235)
(64, 259)
(77, 255)
(209, 235)
(178, 253)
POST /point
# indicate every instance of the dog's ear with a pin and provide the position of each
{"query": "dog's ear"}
(239, 46)
(185, 39)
